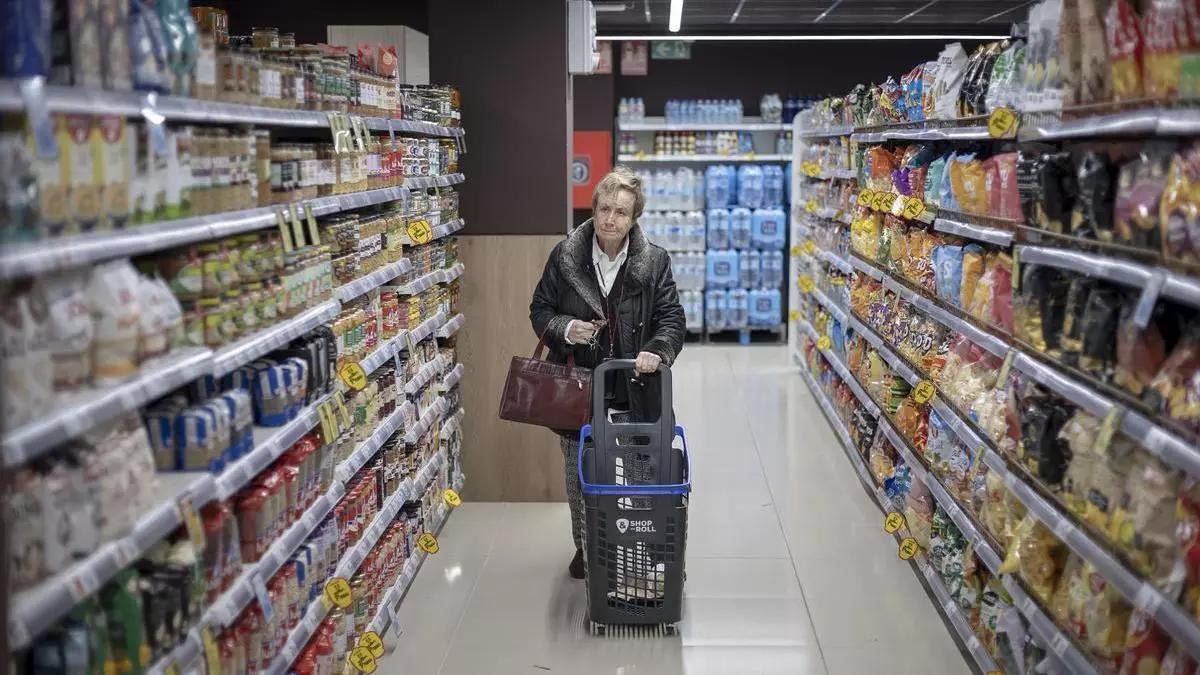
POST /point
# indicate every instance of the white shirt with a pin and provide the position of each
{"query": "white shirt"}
(606, 270)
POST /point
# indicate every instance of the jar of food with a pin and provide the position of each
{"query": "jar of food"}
(265, 38)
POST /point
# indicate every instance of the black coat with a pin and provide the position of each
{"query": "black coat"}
(650, 318)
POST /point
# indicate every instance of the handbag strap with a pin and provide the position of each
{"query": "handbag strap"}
(541, 347)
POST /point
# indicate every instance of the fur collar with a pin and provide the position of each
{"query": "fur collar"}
(575, 263)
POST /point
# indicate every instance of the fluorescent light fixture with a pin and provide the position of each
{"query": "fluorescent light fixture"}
(801, 38)
(676, 16)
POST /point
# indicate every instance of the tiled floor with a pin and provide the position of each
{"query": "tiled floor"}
(789, 570)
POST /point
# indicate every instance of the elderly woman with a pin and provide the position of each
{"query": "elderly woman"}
(608, 293)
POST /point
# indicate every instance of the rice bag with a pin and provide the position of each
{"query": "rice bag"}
(113, 302)
(62, 299)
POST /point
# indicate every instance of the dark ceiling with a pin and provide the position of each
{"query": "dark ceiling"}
(778, 16)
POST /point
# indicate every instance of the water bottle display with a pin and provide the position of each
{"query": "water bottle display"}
(719, 184)
(705, 111)
(722, 269)
(768, 231)
(694, 237)
(750, 269)
(773, 179)
(631, 110)
(718, 228)
(715, 310)
(750, 186)
(740, 227)
(771, 108)
(772, 269)
(738, 308)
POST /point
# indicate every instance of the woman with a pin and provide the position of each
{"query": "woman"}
(608, 293)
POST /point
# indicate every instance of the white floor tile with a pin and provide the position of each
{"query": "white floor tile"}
(789, 570)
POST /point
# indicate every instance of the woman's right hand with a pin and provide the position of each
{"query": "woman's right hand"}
(581, 332)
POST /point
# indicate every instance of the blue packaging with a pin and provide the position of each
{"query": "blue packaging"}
(750, 186)
(947, 271)
(718, 228)
(739, 308)
(715, 309)
(25, 38)
(772, 269)
(722, 269)
(750, 269)
(773, 179)
(740, 227)
(765, 307)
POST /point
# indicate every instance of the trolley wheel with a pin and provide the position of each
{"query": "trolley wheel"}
(599, 629)
(670, 630)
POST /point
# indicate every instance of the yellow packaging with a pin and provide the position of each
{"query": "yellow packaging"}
(110, 146)
(84, 173)
(52, 182)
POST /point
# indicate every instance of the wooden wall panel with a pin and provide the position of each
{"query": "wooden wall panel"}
(503, 461)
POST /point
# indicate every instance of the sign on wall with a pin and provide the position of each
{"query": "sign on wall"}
(666, 50)
(634, 57)
(592, 159)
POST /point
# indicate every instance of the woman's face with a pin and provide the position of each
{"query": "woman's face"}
(614, 217)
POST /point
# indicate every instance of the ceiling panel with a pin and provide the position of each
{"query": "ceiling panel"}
(783, 15)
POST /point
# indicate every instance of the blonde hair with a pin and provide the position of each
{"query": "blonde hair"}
(621, 178)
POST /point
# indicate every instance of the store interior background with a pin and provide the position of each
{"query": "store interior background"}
(509, 60)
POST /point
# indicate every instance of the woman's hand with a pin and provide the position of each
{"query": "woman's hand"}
(581, 332)
(647, 363)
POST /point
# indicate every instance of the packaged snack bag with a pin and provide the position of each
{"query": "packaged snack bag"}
(952, 67)
(1002, 89)
(1125, 51)
(1162, 25)
(1036, 555)
(1139, 190)
(1092, 215)
(1179, 208)
(1146, 645)
(1069, 52)
(1175, 390)
(1095, 85)
(1143, 525)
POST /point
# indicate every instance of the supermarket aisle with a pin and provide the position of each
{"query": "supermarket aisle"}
(789, 570)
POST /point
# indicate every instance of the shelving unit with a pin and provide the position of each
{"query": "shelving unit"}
(180, 495)
(709, 159)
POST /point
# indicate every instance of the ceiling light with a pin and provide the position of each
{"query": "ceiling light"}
(802, 38)
(610, 6)
(676, 16)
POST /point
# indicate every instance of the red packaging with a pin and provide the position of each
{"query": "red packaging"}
(1146, 645)
(1005, 200)
(213, 555)
(366, 55)
(1125, 51)
(388, 64)
(253, 524)
(1163, 28)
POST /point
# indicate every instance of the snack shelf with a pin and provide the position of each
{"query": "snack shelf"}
(834, 308)
(230, 357)
(424, 182)
(660, 124)
(1048, 633)
(1153, 281)
(50, 255)
(898, 364)
(453, 421)
(81, 100)
(837, 261)
(427, 420)
(452, 378)
(945, 604)
(424, 376)
(81, 411)
(379, 277)
(318, 609)
(33, 610)
(452, 326)
(829, 132)
(992, 343)
(1142, 594)
(960, 226)
(1161, 442)
(269, 444)
(713, 159)
(1129, 123)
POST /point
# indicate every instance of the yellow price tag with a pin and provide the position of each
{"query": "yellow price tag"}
(363, 660)
(877, 201)
(824, 343)
(420, 232)
(893, 523)
(889, 201)
(338, 593)
(428, 543)
(1003, 123)
(450, 496)
(838, 281)
(865, 198)
(810, 246)
(923, 392)
(794, 315)
(212, 654)
(372, 643)
(811, 206)
(796, 250)
(908, 548)
(913, 208)
(806, 284)
(191, 521)
(353, 375)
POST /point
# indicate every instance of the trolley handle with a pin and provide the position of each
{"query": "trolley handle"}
(634, 490)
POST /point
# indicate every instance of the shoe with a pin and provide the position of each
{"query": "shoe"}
(576, 569)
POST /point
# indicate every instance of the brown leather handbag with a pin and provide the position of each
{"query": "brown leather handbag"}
(553, 395)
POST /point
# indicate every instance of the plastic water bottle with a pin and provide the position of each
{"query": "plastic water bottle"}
(750, 186)
(716, 187)
(694, 236)
(718, 228)
(772, 269)
(740, 227)
(738, 308)
(773, 186)
(716, 308)
(750, 268)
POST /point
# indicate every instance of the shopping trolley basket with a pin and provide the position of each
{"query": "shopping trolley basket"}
(635, 488)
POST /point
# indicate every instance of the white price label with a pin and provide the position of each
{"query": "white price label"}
(1010, 480)
(1062, 528)
(82, 583)
(1060, 644)
(394, 616)
(1028, 606)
